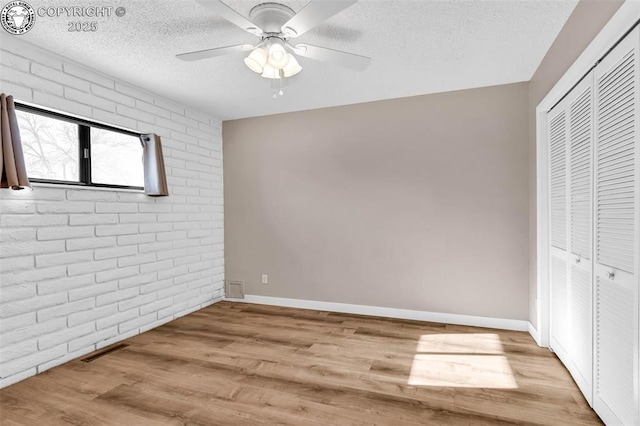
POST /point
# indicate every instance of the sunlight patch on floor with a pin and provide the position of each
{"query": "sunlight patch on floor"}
(481, 343)
(461, 360)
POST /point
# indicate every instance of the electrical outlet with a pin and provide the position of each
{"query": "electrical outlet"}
(265, 279)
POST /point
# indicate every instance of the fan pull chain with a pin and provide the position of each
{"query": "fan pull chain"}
(276, 87)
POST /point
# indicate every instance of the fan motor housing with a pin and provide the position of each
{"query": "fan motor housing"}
(271, 16)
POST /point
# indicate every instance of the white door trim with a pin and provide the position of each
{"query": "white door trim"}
(618, 25)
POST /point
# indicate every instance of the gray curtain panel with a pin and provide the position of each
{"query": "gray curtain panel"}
(12, 169)
(155, 178)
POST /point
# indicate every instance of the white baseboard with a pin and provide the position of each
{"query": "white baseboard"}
(535, 333)
(499, 323)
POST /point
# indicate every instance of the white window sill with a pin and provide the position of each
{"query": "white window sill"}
(84, 187)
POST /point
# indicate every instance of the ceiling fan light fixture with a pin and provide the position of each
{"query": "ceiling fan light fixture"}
(292, 68)
(256, 60)
(271, 72)
(277, 55)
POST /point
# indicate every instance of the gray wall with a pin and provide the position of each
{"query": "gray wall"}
(416, 203)
(586, 21)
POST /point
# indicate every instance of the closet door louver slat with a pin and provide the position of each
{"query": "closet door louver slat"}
(581, 144)
(557, 133)
(558, 205)
(614, 353)
(560, 316)
(581, 319)
(580, 233)
(616, 234)
(616, 173)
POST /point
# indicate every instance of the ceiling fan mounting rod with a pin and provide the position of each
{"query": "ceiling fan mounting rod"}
(270, 17)
(279, 36)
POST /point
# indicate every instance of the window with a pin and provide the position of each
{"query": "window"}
(116, 158)
(62, 149)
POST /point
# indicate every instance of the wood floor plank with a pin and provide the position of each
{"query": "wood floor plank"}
(243, 364)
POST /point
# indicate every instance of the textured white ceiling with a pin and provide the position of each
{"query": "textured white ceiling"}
(417, 46)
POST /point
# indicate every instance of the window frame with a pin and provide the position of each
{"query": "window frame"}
(84, 147)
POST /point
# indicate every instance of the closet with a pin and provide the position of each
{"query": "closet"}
(594, 232)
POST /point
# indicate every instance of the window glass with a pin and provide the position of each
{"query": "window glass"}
(51, 147)
(116, 158)
(55, 147)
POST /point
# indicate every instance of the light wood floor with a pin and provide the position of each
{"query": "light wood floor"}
(235, 364)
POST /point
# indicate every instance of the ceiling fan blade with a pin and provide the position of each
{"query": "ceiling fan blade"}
(212, 53)
(312, 14)
(347, 60)
(221, 9)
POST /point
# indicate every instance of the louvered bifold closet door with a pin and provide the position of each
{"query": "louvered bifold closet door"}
(616, 234)
(557, 120)
(580, 146)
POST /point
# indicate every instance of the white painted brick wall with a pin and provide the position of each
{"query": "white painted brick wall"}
(83, 268)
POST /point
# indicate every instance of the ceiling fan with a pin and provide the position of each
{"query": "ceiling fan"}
(276, 25)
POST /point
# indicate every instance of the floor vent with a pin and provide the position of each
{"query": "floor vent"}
(103, 352)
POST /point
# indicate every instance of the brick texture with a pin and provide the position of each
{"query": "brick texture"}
(84, 268)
